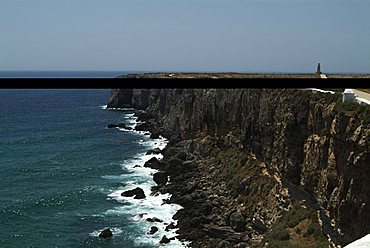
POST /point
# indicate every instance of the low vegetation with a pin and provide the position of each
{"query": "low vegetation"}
(359, 111)
(299, 227)
(237, 165)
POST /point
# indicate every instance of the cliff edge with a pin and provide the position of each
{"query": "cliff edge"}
(272, 154)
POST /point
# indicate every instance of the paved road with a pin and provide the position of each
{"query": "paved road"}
(364, 242)
(362, 94)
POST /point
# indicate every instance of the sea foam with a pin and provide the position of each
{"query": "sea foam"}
(151, 206)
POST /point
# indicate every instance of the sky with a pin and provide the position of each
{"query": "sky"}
(186, 35)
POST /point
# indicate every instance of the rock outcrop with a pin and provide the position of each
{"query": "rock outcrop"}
(120, 98)
(153, 230)
(291, 137)
(138, 193)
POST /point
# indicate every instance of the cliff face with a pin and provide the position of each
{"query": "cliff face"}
(297, 133)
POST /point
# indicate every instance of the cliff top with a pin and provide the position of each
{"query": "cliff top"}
(192, 75)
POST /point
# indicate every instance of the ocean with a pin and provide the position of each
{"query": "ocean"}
(62, 172)
(64, 74)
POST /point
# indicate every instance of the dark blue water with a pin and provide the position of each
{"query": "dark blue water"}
(62, 172)
(64, 74)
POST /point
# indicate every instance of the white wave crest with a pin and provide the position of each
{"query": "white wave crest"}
(152, 205)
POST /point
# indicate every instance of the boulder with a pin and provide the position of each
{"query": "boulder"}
(153, 230)
(165, 240)
(154, 151)
(175, 166)
(259, 226)
(219, 232)
(154, 163)
(106, 233)
(243, 186)
(142, 127)
(223, 244)
(160, 177)
(242, 245)
(170, 151)
(154, 135)
(186, 200)
(137, 192)
(182, 155)
(174, 139)
(237, 222)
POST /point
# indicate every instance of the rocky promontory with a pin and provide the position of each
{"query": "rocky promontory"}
(259, 167)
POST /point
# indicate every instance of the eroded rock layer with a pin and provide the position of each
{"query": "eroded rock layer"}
(252, 151)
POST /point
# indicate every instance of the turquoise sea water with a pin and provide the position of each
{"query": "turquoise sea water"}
(62, 172)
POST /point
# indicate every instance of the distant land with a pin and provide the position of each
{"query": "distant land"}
(222, 75)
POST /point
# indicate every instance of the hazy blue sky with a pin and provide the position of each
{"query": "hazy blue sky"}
(185, 35)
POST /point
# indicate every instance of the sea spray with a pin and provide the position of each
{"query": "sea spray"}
(136, 175)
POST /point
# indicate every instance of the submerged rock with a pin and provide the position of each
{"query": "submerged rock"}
(106, 233)
(137, 192)
(119, 125)
(154, 219)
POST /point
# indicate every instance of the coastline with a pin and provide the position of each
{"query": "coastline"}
(242, 164)
(210, 215)
(160, 211)
(231, 75)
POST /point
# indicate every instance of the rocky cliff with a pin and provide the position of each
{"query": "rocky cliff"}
(298, 140)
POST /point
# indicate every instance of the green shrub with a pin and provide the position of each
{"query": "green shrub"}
(361, 111)
(282, 234)
(347, 106)
(310, 230)
(278, 236)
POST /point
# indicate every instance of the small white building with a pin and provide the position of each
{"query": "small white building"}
(348, 95)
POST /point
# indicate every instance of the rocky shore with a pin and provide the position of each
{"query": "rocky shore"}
(257, 168)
